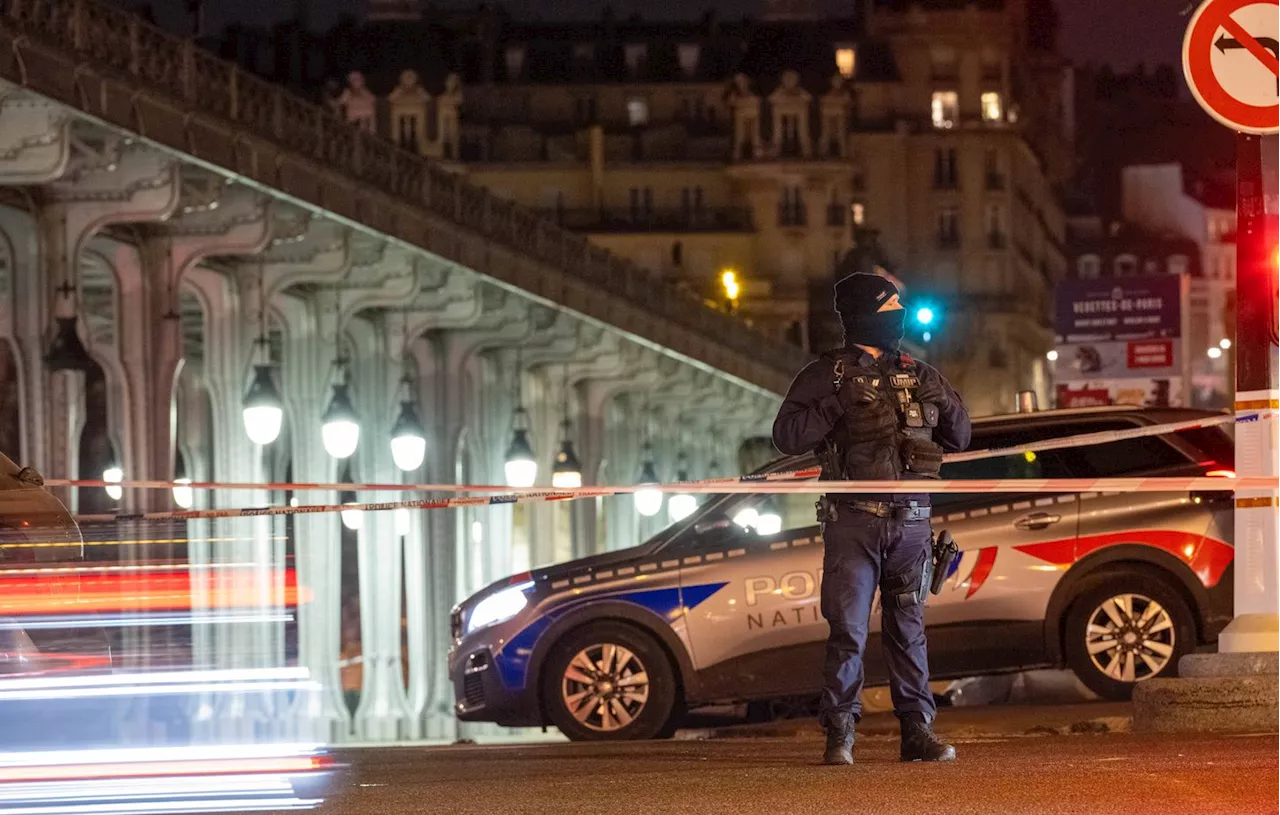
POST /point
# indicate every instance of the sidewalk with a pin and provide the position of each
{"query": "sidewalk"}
(954, 722)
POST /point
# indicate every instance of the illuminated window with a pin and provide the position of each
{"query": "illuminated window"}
(945, 108)
(846, 61)
(859, 213)
(637, 111)
(992, 107)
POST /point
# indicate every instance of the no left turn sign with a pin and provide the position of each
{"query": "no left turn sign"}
(1231, 58)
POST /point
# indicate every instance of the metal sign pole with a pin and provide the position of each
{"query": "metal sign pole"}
(1256, 626)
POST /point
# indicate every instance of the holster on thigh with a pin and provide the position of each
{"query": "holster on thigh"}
(904, 589)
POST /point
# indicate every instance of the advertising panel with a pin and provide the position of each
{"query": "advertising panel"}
(1119, 341)
(1165, 392)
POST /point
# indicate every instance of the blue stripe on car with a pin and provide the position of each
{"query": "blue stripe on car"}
(513, 660)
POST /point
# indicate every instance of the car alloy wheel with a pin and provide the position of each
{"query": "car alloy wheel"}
(1130, 637)
(605, 687)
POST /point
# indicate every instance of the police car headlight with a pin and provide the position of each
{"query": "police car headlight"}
(500, 606)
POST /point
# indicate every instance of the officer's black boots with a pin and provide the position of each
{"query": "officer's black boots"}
(839, 740)
(918, 741)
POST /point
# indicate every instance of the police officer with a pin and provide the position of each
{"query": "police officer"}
(872, 412)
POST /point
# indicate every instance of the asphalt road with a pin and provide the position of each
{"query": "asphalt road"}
(1118, 773)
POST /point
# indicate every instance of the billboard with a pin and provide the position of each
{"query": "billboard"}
(1165, 392)
(1119, 341)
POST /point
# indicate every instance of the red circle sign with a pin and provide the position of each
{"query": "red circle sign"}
(1248, 58)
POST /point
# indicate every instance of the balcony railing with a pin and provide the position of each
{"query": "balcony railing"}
(793, 215)
(995, 181)
(92, 55)
(996, 240)
(721, 219)
(948, 240)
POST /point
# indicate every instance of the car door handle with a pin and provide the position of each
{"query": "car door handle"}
(1037, 520)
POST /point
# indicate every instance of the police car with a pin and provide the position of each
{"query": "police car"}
(724, 606)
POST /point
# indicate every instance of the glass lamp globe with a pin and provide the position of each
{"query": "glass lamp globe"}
(341, 428)
(263, 414)
(566, 471)
(408, 440)
(183, 495)
(521, 467)
(113, 473)
(648, 500)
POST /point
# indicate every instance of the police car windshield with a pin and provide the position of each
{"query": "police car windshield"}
(759, 513)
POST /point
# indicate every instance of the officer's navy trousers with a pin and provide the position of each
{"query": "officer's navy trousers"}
(863, 552)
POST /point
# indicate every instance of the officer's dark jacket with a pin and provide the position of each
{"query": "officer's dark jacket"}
(811, 410)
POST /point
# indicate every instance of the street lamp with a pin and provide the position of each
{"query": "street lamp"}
(263, 413)
(681, 505)
(521, 467)
(1052, 356)
(114, 474)
(1215, 352)
(566, 470)
(648, 500)
(408, 439)
(340, 427)
(353, 519)
(1224, 343)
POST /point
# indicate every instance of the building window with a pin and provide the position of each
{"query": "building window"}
(1126, 266)
(688, 53)
(584, 53)
(859, 214)
(1177, 264)
(846, 61)
(943, 60)
(991, 168)
(677, 254)
(584, 110)
(995, 227)
(691, 203)
(945, 109)
(791, 209)
(789, 143)
(948, 228)
(637, 111)
(836, 210)
(641, 203)
(515, 62)
(858, 181)
(992, 107)
(635, 54)
(1088, 267)
(992, 71)
(407, 132)
(946, 174)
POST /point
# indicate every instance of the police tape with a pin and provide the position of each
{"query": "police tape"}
(1078, 440)
(795, 484)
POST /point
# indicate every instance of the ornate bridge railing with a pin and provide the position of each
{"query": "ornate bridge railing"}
(99, 59)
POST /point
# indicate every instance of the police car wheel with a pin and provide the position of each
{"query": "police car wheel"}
(610, 681)
(1125, 630)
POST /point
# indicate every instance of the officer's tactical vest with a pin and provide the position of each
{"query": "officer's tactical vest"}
(860, 449)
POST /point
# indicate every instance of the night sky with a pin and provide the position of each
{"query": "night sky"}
(1124, 33)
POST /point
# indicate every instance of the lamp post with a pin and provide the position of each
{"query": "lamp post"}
(521, 467)
(566, 470)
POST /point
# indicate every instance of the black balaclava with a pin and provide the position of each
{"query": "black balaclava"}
(858, 297)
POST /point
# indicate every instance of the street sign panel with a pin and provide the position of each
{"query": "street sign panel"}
(1231, 59)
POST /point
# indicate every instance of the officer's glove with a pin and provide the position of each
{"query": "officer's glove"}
(931, 391)
(868, 412)
(856, 397)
